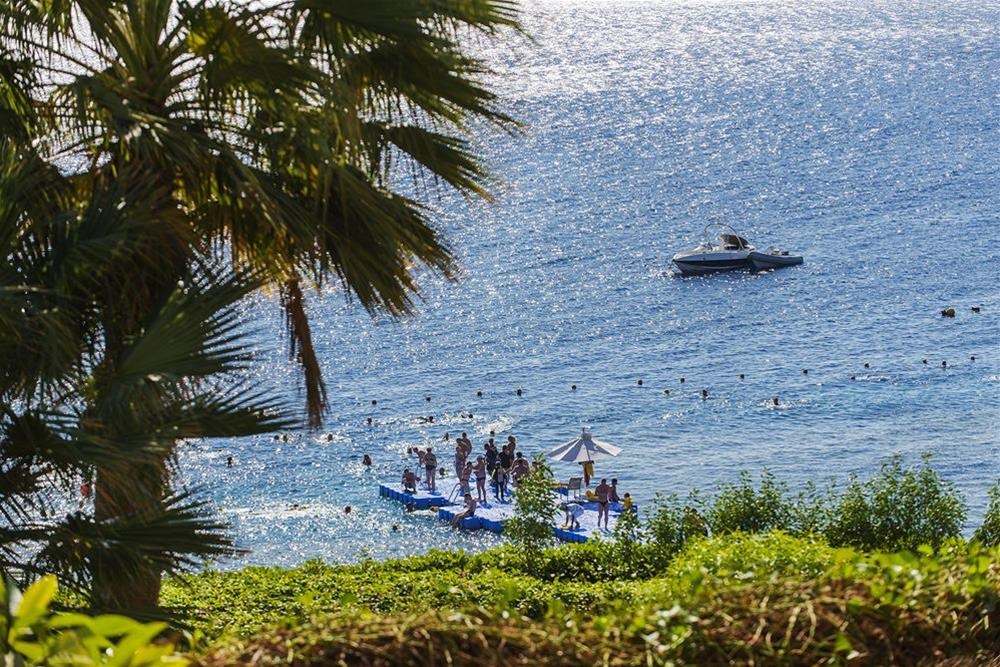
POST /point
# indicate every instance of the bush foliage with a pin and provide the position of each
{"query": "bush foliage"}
(989, 532)
(901, 507)
(716, 604)
(32, 634)
(534, 511)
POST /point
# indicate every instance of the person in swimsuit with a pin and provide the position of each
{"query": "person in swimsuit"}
(470, 510)
(614, 491)
(409, 481)
(420, 457)
(463, 477)
(480, 470)
(430, 464)
(520, 469)
(460, 457)
(466, 443)
(603, 493)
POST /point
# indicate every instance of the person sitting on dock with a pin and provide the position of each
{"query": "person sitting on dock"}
(470, 510)
(430, 465)
(520, 468)
(480, 470)
(603, 493)
(573, 513)
(409, 481)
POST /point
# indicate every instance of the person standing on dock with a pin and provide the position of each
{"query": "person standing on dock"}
(588, 471)
(491, 457)
(480, 470)
(466, 444)
(460, 457)
(507, 459)
(430, 464)
(603, 492)
(463, 478)
(520, 469)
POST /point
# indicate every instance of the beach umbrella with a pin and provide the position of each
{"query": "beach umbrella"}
(583, 448)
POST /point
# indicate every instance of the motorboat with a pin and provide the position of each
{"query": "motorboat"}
(730, 253)
(773, 258)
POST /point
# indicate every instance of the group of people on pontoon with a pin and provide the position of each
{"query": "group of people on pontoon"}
(502, 467)
(603, 494)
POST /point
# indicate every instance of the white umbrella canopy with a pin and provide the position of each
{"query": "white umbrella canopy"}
(583, 448)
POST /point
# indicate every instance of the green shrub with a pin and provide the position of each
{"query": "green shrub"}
(989, 532)
(900, 508)
(671, 524)
(741, 557)
(628, 534)
(742, 507)
(530, 530)
(827, 607)
(31, 634)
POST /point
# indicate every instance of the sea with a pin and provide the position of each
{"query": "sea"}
(862, 134)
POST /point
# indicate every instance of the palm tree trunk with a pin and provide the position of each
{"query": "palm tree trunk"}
(137, 489)
(138, 588)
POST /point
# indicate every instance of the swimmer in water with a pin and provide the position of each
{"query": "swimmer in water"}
(366, 460)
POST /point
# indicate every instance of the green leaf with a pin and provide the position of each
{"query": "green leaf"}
(35, 601)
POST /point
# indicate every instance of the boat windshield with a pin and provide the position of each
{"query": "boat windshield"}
(733, 242)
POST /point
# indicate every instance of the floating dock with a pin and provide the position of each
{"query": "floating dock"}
(423, 499)
(493, 514)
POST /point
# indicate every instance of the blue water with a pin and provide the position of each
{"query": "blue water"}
(861, 134)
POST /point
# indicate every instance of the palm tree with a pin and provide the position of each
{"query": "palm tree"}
(148, 143)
